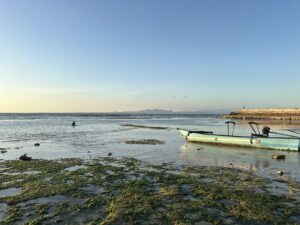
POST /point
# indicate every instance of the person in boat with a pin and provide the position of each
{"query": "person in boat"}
(74, 124)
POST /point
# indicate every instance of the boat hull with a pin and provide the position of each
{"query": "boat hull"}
(278, 143)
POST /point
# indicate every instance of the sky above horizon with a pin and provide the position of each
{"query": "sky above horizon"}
(116, 55)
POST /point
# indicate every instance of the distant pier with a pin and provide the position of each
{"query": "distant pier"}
(266, 114)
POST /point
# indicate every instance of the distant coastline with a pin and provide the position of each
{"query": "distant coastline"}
(124, 113)
(266, 114)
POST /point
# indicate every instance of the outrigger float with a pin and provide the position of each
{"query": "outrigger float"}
(257, 139)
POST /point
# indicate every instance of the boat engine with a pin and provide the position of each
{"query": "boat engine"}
(265, 131)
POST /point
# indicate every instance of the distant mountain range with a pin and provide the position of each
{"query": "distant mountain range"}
(163, 111)
(146, 111)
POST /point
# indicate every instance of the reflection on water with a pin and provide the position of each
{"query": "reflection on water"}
(258, 161)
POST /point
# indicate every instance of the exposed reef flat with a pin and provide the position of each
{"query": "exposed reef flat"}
(129, 191)
(145, 142)
(266, 114)
(144, 126)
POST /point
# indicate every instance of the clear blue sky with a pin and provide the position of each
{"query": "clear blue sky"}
(58, 55)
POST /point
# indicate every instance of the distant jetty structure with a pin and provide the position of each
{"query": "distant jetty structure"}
(266, 114)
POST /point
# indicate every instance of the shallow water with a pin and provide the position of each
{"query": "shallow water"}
(92, 189)
(10, 192)
(54, 198)
(74, 168)
(3, 211)
(100, 134)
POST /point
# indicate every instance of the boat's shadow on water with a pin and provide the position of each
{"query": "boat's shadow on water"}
(256, 160)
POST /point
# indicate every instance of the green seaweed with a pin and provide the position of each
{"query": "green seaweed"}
(144, 126)
(134, 192)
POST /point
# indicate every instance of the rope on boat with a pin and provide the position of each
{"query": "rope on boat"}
(288, 135)
(293, 131)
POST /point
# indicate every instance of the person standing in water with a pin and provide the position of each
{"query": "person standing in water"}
(73, 124)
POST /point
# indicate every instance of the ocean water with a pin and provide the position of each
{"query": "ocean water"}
(99, 134)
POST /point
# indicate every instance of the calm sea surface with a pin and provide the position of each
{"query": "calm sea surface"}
(100, 134)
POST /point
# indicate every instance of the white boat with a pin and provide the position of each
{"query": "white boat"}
(255, 140)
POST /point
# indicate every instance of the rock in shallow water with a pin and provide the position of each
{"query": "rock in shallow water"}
(25, 157)
(279, 172)
(278, 157)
